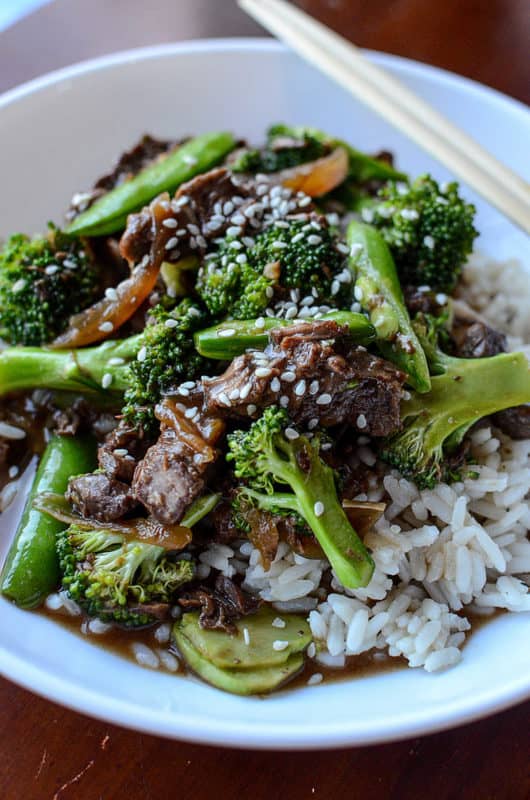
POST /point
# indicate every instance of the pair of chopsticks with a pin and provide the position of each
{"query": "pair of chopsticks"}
(342, 61)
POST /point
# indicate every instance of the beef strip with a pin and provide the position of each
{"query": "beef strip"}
(99, 497)
(514, 422)
(475, 339)
(123, 448)
(173, 472)
(220, 606)
(320, 375)
(130, 163)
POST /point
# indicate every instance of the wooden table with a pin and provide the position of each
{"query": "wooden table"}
(48, 753)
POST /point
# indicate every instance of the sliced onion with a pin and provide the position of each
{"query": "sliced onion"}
(318, 177)
(362, 515)
(147, 530)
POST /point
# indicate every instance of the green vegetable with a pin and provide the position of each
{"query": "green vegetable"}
(109, 213)
(264, 457)
(199, 509)
(276, 156)
(429, 230)
(167, 353)
(435, 423)
(42, 282)
(286, 257)
(115, 578)
(379, 292)
(244, 665)
(217, 343)
(31, 570)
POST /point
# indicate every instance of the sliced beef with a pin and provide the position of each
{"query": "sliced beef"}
(514, 422)
(99, 497)
(313, 371)
(422, 300)
(121, 451)
(221, 605)
(172, 473)
(475, 339)
(130, 163)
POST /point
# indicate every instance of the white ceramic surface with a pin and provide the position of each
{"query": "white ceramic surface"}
(56, 135)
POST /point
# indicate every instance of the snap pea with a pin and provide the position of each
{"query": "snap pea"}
(378, 290)
(109, 213)
(229, 339)
(31, 570)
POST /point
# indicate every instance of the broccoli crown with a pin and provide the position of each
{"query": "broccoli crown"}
(429, 230)
(280, 152)
(42, 282)
(294, 255)
(166, 356)
(256, 454)
(112, 578)
(463, 392)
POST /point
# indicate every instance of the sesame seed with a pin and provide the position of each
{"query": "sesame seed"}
(410, 214)
(335, 287)
(106, 327)
(289, 377)
(441, 299)
(275, 385)
(324, 399)
(241, 258)
(281, 223)
(238, 219)
(121, 451)
(358, 293)
(318, 508)
(246, 636)
(291, 434)
(224, 399)
(51, 269)
(190, 412)
(170, 223)
(69, 264)
(367, 214)
(278, 622)
(13, 471)
(248, 241)
(312, 650)
(314, 239)
(299, 389)
(251, 409)
(171, 323)
(312, 424)
(269, 291)
(291, 312)
(314, 387)
(233, 230)
(361, 421)
(111, 294)
(245, 391)
(284, 401)
(279, 245)
(428, 241)
(234, 394)
(183, 391)
(193, 229)
(228, 207)
(298, 237)
(227, 332)
(181, 201)
(259, 323)
(315, 679)
(106, 380)
(305, 201)
(280, 644)
(18, 285)
(262, 372)
(8, 431)
(236, 245)
(171, 243)
(142, 354)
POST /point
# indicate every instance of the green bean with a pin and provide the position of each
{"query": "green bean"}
(109, 213)
(31, 570)
(230, 339)
(378, 290)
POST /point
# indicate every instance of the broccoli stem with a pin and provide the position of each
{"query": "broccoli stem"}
(83, 370)
(232, 338)
(315, 500)
(379, 292)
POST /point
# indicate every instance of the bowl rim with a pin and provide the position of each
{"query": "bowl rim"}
(177, 725)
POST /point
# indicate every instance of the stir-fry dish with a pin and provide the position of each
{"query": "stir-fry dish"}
(271, 427)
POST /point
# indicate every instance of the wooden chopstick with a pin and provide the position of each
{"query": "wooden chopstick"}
(345, 63)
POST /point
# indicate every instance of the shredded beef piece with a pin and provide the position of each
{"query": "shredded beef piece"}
(223, 522)
(514, 422)
(121, 451)
(476, 339)
(130, 163)
(99, 497)
(220, 606)
(172, 473)
(160, 611)
(422, 300)
(334, 382)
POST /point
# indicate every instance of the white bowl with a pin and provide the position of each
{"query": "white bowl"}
(58, 133)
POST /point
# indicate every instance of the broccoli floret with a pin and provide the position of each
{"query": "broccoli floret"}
(266, 457)
(295, 256)
(167, 355)
(429, 230)
(42, 282)
(137, 370)
(280, 152)
(463, 391)
(113, 578)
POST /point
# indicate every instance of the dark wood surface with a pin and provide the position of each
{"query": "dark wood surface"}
(49, 753)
